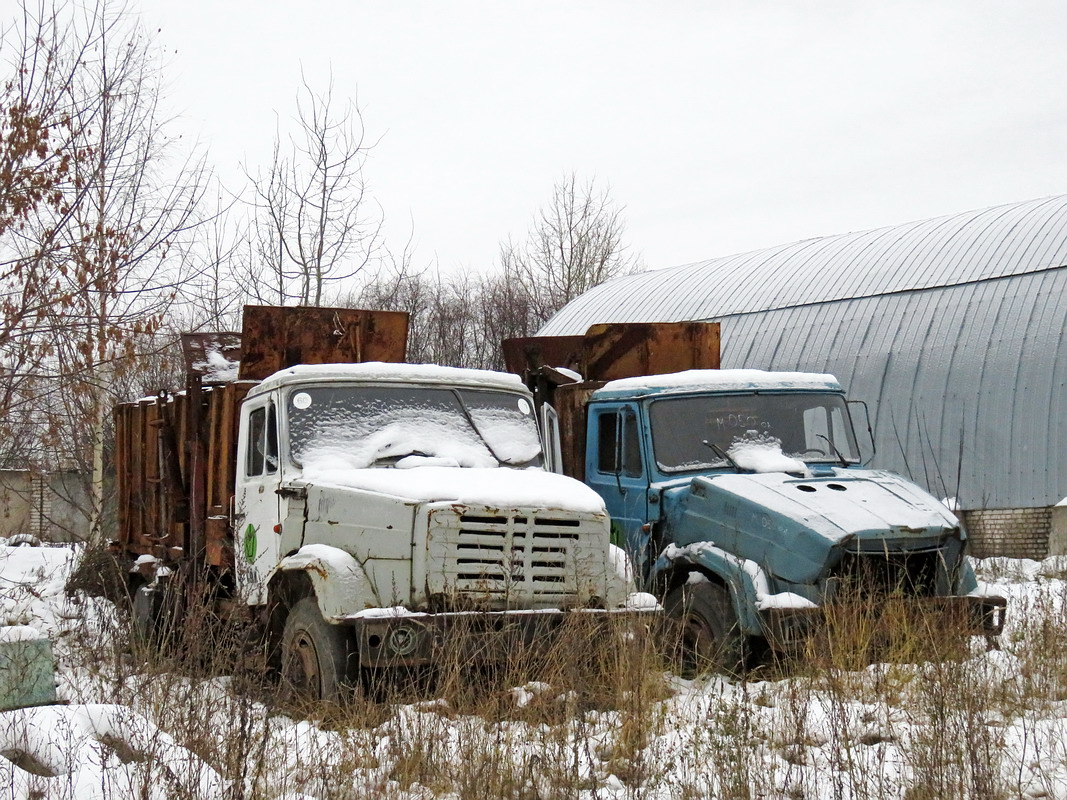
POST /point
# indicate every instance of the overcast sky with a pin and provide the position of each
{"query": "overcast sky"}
(720, 126)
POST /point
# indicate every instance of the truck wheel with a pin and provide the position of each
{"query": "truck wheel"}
(314, 653)
(707, 635)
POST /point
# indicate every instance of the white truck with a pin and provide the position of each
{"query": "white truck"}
(379, 512)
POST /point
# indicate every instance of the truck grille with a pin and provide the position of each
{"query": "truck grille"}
(880, 574)
(510, 557)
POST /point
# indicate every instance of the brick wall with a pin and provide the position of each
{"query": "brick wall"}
(1012, 532)
(51, 507)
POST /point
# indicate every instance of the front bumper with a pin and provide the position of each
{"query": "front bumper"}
(412, 639)
(789, 630)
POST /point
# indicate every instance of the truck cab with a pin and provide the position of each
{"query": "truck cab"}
(751, 482)
(741, 495)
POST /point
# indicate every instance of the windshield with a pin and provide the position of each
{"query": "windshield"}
(409, 426)
(809, 426)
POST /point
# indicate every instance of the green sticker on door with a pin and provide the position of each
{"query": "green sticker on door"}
(250, 542)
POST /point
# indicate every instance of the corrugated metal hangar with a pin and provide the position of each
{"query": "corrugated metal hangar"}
(952, 329)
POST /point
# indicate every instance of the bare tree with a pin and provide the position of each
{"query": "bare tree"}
(576, 243)
(104, 241)
(314, 225)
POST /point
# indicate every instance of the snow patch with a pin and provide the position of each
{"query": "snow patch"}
(784, 600)
(570, 373)
(623, 567)
(75, 746)
(641, 601)
(20, 633)
(216, 368)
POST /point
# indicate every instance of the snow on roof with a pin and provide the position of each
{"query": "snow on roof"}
(380, 372)
(495, 487)
(719, 380)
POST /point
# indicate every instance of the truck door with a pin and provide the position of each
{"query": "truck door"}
(615, 469)
(256, 501)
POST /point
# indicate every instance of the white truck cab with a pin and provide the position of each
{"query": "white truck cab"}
(401, 497)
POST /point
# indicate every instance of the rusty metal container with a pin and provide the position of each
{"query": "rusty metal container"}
(175, 454)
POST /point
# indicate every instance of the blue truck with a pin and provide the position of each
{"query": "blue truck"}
(741, 496)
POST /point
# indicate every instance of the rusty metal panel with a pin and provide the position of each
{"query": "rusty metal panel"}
(158, 461)
(611, 351)
(570, 402)
(534, 352)
(649, 348)
(274, 338)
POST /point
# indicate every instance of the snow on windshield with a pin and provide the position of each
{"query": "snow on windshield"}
(365, 426)
(764, 454)
(798, 427)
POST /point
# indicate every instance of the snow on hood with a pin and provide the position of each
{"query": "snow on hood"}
(849, 503)
(495, 487)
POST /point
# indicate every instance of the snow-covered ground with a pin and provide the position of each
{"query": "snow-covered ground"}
(990, 725)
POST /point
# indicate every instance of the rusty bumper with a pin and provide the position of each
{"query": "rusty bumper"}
(789, 630)
(416, 639)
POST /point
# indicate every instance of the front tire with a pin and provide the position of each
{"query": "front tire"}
(315, 654)
(707, 634)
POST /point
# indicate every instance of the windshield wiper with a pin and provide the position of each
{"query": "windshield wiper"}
(477, 430)
(844, 461)
(722, 454)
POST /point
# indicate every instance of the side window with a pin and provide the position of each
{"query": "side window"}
(631, 446)
(608, 442)
(256, 425)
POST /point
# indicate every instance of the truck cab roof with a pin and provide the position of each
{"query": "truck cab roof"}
(382, 372)
(715, 380)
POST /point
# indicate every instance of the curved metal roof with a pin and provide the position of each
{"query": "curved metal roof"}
(952, 329)
(947, 251)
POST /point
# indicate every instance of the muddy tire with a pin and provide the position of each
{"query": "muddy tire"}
(315, 654)
(705, 634)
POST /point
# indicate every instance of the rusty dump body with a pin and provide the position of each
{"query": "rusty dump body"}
(606, 352)
(175, 454)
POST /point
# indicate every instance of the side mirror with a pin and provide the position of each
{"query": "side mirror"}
(550, 437)
(868, 443)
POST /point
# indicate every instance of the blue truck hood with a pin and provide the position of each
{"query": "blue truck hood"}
(791, 524)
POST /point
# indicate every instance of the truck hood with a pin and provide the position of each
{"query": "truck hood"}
(792, 524)
(856, 503)
(495, 488)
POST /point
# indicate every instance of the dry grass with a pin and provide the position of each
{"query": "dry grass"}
(883, 705)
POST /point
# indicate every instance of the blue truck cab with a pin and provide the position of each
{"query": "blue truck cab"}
(742, 499)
